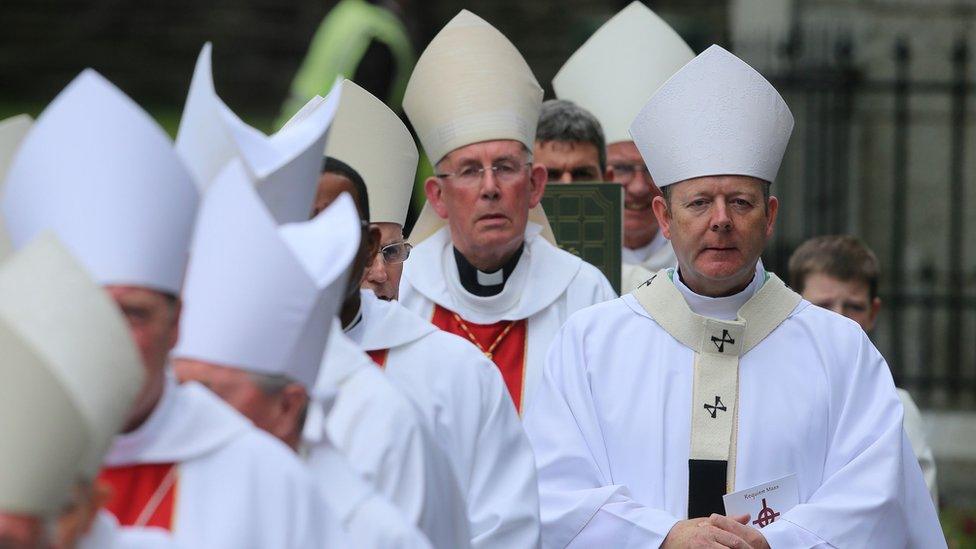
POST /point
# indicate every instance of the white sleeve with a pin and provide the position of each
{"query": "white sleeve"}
(872, 493)
(579, 506)
(503, 491)
(915, 429)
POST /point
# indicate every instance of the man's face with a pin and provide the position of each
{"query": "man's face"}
(628, 169)
(154, 321)
(21, 532)
(383, 275)
(486, 215)
(331, 185)
(569, 161)
(718, 226)
(851, 298)
(235, 386)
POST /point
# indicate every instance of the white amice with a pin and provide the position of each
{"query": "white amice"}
(611, 429)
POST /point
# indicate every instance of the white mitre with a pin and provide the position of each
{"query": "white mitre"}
(260, 297)
(372, 139)
(102, 175)
(620, 66)
(12, 132)
(471, 85)
(71, 373)
(716, 116)
(285, 165)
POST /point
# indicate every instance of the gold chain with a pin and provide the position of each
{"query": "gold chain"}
(491, 348)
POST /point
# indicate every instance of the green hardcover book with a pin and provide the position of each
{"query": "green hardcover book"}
(587, 219)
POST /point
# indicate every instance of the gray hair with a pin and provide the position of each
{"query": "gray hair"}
(272, 384)
(567, 122)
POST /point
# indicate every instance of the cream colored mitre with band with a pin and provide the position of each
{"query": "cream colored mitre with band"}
(372, 139)
(71, 372)
(718, 346)
(12, 132)
(632, 54)
(454, 101)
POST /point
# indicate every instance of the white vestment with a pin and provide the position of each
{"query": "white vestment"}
(369, 519)
(382, 435)
(237, 486)
(611, 431)
(468, 409)
(633, 275)
(547, 286)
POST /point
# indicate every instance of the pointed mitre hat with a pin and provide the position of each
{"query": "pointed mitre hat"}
(260, 297)
(471, 85)
(71, 374)
(372, 139)
(715, 116)
(620, 67)
(12, 132)
(285, 166)
(98, 171)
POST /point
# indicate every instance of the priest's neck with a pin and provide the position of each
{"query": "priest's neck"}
(478, 281)
(718, 288)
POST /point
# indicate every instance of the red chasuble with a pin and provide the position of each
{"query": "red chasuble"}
(379, 356)
(144, 488)
(508, 353)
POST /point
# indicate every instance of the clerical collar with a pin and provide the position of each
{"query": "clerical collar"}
(484, 284)
(642, 254)
(721, 308)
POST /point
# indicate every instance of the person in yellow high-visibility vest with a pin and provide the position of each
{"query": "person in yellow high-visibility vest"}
(362, 40)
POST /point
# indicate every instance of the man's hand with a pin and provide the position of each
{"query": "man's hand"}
(737, 525)
(700, 533)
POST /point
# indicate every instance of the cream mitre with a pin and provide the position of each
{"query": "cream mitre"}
(285, 165)
(102, 175)
(372, 139)
(260, 297)
(71, 372)
(471, 85)
(716, 116)
(620, 66)
(12, 132)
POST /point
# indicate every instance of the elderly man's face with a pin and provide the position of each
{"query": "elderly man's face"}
(21, 532)
(569, 161)
(627, 165)
(154, 321)
(382, 275)
(718, 226)
(488, 214)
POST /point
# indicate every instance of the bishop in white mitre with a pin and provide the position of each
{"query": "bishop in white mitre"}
(485, 266)
(70, 372)
(461, 393)
(101, 175)
(714, 378)
(633, 53)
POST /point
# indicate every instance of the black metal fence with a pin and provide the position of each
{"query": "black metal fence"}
(927, 330)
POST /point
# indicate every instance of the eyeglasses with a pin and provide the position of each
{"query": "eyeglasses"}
(505, 172)
(624, 173)
(398, 252)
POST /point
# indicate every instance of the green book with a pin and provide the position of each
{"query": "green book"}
(587, 219)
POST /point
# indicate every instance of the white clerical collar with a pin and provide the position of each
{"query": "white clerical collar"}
(721, 308)
(636, 256)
